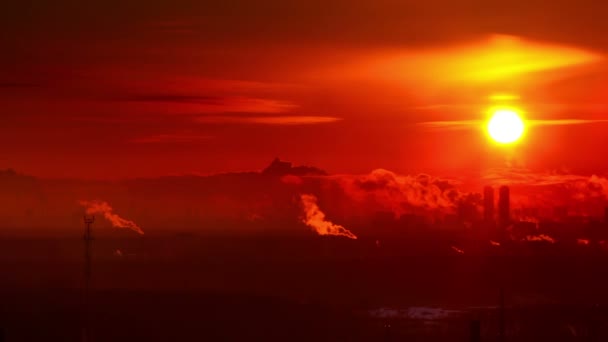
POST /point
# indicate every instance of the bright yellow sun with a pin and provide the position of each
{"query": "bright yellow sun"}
(505, 126)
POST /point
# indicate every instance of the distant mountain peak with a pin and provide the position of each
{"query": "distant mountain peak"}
(281, 168)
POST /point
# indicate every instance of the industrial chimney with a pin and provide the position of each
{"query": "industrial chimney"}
(488, 204)
(504, 209)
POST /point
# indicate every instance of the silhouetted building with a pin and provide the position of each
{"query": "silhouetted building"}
(504, 207)
(488, 204)
(529, 213)
(278, 167)
(606, 215)
(521, 229)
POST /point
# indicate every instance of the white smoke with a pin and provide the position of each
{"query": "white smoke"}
(100, 207)
(315, 218)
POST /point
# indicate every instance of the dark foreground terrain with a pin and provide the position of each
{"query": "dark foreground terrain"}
(186, 288)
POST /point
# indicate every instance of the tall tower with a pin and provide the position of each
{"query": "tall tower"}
(88, 241)
(488, 204)
(504, 207)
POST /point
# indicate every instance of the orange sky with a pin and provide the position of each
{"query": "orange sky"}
(114, 90)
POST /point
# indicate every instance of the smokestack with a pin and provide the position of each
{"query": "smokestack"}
(387, 332)
(88, 240)
(504, 206)
(501, 318)
(606, 215)
(488, 204)
(475, 335)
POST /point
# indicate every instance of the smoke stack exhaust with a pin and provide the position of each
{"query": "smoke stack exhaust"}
(315, 219)
(103, 208)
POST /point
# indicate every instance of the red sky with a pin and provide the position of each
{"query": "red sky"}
(105, 89)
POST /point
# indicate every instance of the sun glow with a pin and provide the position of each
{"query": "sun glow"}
(505, 125)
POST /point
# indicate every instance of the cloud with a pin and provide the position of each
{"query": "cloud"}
(386, 190)
(452, 125)
(434, 197)
(315, 218)
(583, 195)
(291, 120)
(592, 186)
(476, 124)
(520, 176)
(494, 58)
(211, 100)
(563, 122)
(162, 84)
(100, 207)
(215, 104)
(171, 138)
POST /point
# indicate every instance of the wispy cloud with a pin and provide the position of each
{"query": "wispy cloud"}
(562, 122)
(582, 194)
(494, 58)
(171, 138)
(202, 99)
(288, 120)
(518, 176)
(452, 125)
(475, 124)
(214, 104)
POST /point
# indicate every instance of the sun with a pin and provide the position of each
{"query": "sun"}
(505, 126)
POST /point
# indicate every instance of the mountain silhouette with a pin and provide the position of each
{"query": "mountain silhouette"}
(281, 168)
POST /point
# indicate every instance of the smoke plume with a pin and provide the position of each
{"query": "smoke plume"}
(100, 207)
(404, 194)
(457, 250)
(547, 191)
(315, 219)
(540, 238)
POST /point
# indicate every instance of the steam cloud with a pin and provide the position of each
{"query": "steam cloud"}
(386, 190)
(457, 250)
(425, 195)
(540, 238)
(583, 195)
(100, 207)
(315, 218)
